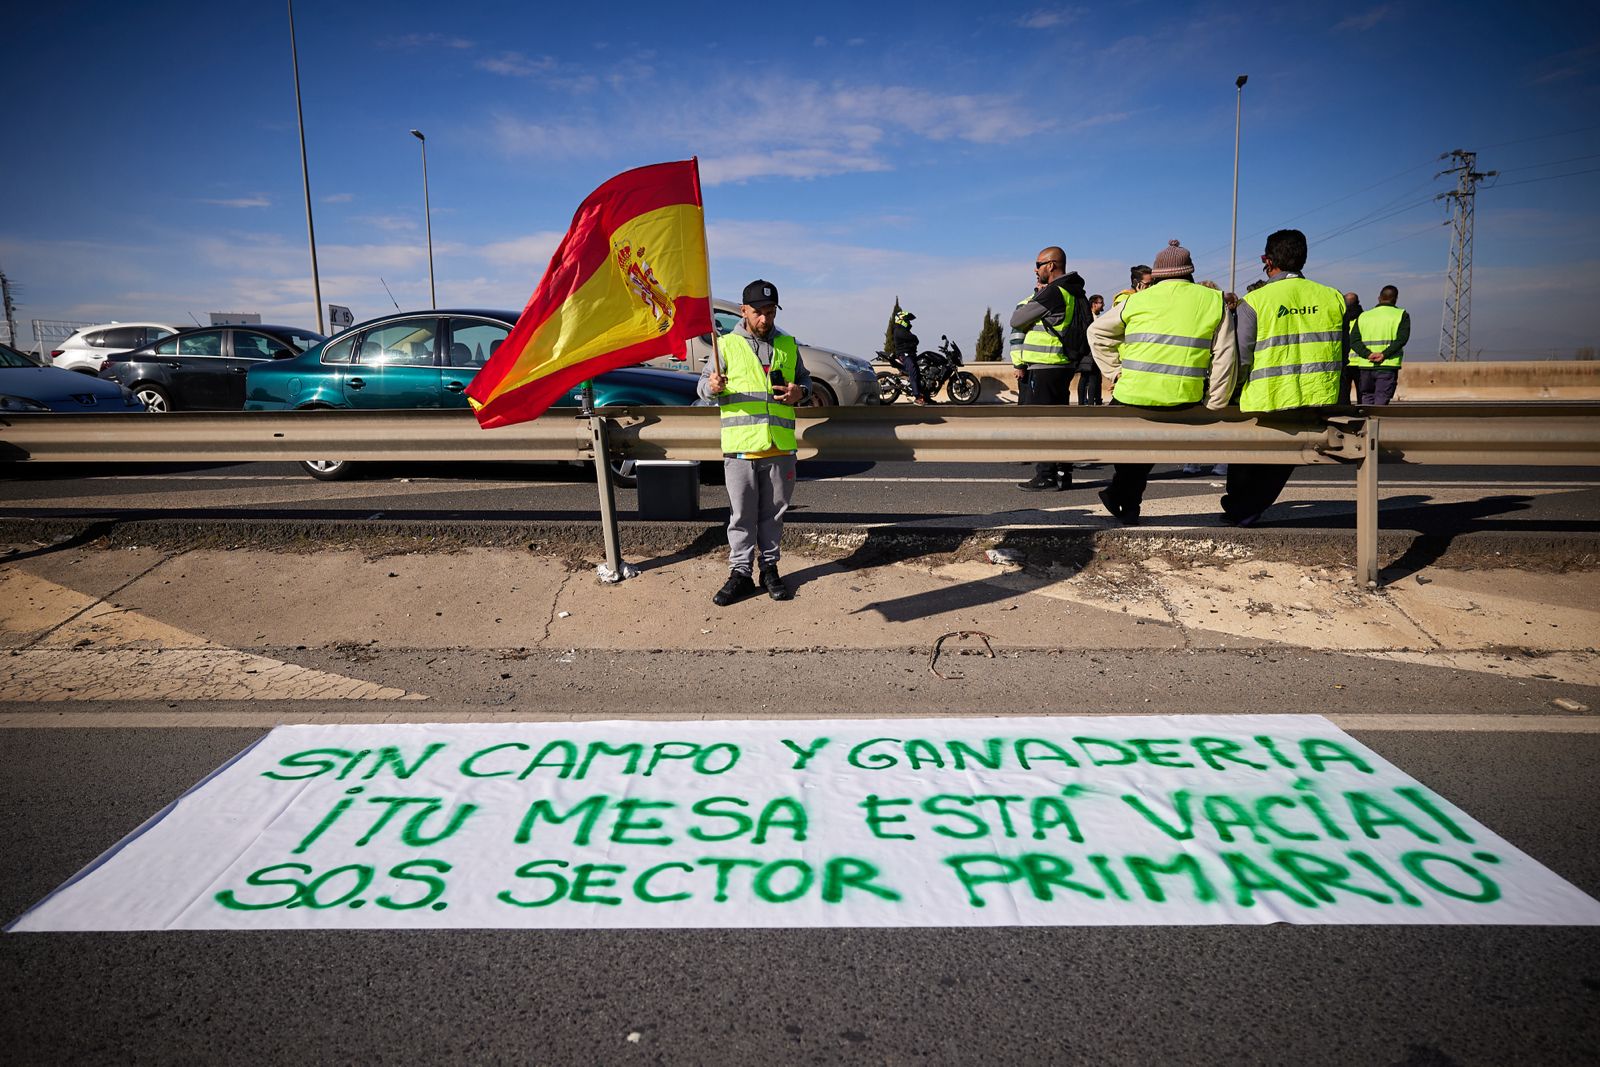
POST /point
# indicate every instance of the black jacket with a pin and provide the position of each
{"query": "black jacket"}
(905, 342)
(1073, 327)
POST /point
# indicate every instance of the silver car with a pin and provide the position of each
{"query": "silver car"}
(836, 378)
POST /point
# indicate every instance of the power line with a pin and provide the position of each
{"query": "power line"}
(1336, 200)
(1551, 163)
(1546, 178)
(1386, 244)
(1543, 136)
(1389, 210)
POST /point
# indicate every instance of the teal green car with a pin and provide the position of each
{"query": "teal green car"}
(422, 359)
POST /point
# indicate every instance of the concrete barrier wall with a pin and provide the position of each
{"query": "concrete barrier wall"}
(1419, 381)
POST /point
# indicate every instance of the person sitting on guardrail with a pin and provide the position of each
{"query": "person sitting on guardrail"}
(757, 380)
(1377, 344)
(1292, 340)
(1168, 346)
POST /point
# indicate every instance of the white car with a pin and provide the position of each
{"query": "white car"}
(836, 378)
(86, 350)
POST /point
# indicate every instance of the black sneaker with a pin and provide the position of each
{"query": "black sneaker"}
(1039, 484)
(773, 584)
(737, 587)
(1125, 515)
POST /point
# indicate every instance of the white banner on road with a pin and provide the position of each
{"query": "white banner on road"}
(934, 822)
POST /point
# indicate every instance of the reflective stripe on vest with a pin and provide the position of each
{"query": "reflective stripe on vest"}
(1014, 342)
(752, 421)
(1379, 327)
(1298, 359)
(1166, 351)
(1039, 344)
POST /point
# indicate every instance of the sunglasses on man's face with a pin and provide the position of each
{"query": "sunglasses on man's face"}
(1044, 263)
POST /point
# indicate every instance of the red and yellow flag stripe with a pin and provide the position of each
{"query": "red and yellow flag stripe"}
(628, 282)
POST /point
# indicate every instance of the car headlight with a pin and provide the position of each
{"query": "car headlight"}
(20, 403)
(854, 365)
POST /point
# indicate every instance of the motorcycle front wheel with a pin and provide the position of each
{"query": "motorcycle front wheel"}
(889, 387)
(964, 387)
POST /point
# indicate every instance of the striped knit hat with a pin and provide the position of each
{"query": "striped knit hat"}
(1173, 261)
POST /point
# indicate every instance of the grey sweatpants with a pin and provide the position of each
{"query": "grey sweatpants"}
(759, 491)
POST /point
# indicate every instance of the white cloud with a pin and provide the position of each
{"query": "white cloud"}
(240, 201)
(819, 41)
(1049, 18)
(530, 251)
(1364, 21)
(518, 65)
(338, 198)
(551, 140)
(791, 128)
(412, 42)
(786, 163)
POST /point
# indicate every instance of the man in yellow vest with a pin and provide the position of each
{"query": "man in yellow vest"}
(1292, 340)
(1377, 344)
(1169, 345)
(1138, 278)
(1052, 322)
(757, 384)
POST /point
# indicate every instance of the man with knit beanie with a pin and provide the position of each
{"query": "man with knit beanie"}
(1170, 345)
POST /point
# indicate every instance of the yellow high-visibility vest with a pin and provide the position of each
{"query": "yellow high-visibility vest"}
(1298, 359)
(1166, 350)
(1379, 328)
(752, 420)
(1040, 344)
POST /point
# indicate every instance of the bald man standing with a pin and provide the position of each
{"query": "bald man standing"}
(1054, 323)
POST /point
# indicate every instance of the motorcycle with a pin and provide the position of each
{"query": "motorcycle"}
(938, 370)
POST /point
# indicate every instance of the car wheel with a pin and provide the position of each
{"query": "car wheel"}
(888, 387)
(155, 400)
(329, 470)
(822, 395)
(964, 388)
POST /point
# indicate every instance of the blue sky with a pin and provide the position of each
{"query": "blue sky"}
(851, 152)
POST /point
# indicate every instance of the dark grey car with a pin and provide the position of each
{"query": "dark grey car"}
(203, 369)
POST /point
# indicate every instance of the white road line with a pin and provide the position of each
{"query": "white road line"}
(165, 719)
(1198, 482)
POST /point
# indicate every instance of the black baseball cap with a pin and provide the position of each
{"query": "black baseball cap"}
(761, 292)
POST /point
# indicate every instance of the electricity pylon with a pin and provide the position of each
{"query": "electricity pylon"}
(1456, 334)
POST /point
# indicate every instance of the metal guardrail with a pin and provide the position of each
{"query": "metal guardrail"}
(945, 435)
(1510, 434)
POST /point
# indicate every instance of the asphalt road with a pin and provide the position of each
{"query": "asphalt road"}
(1277, 994)
(1428, 500)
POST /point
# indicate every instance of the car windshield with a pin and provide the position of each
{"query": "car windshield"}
(302, 342)
(12, 358)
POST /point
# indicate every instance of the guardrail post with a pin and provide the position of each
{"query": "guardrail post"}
(608, 496)
(1367, 508)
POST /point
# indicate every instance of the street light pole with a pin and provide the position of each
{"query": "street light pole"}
(427, 214)
(305, 171)
(1233, 242)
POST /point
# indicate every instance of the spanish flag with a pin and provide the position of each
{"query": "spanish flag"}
(628, 282)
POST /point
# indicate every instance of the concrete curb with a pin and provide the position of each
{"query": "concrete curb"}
(1562, 551)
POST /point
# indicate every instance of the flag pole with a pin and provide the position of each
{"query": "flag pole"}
(711, 309)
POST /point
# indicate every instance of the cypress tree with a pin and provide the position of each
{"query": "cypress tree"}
(990, 341)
